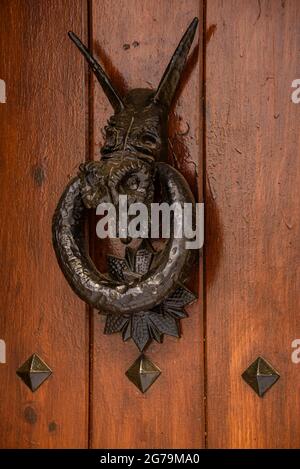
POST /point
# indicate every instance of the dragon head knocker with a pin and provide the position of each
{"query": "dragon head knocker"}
(134, 141)
(134, 152)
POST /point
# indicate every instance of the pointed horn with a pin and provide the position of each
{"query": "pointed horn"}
(168, 84)
(100, 74)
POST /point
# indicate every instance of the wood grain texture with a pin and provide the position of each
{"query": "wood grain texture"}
(134, 40)
(252, 218)
(42, 141)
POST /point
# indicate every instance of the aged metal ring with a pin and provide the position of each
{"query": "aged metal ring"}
(81, 273)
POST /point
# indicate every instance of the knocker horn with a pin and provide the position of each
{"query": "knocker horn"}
(133, 155)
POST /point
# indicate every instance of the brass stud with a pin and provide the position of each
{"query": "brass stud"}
(34, 372)
(143, 373)
(261, 376)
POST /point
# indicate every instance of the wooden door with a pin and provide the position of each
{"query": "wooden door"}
(233, 134)
(252, 240)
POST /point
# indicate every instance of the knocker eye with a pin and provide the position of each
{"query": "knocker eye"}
(130, 184)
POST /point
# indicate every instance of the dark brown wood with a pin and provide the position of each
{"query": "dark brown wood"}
(42, 142)
(135, 40)
(252, 239)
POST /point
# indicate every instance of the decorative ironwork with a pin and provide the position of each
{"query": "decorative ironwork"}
(261, 376)
(134, 153)
(144, 295)
(163, 319)
(143, 373)
(34, 372)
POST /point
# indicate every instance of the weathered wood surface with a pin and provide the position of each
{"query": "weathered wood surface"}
(252, 219)
(42, 141)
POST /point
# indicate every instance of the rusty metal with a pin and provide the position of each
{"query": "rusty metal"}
(133, 162)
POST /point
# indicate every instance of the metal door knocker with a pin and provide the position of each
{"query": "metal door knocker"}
(143, 295)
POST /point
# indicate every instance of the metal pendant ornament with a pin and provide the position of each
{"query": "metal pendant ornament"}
(143, 295)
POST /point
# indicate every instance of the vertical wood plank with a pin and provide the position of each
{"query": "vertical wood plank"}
(42, 141)
(253, 234)
(134, 41)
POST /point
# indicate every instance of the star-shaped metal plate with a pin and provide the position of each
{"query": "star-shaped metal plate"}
(145, 326)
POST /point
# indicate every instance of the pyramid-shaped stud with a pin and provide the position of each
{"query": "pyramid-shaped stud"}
(261, 376)
(143, 373)
(34, 372)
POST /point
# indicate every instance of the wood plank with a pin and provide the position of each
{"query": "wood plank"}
(252, 239)
(42, 142)
(134, 41)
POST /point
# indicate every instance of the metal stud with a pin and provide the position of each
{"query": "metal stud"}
(34, 372)
(261, 376)
(143, 373)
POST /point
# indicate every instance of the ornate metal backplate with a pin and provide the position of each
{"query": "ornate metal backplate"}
(152, 324)
(144, 295)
